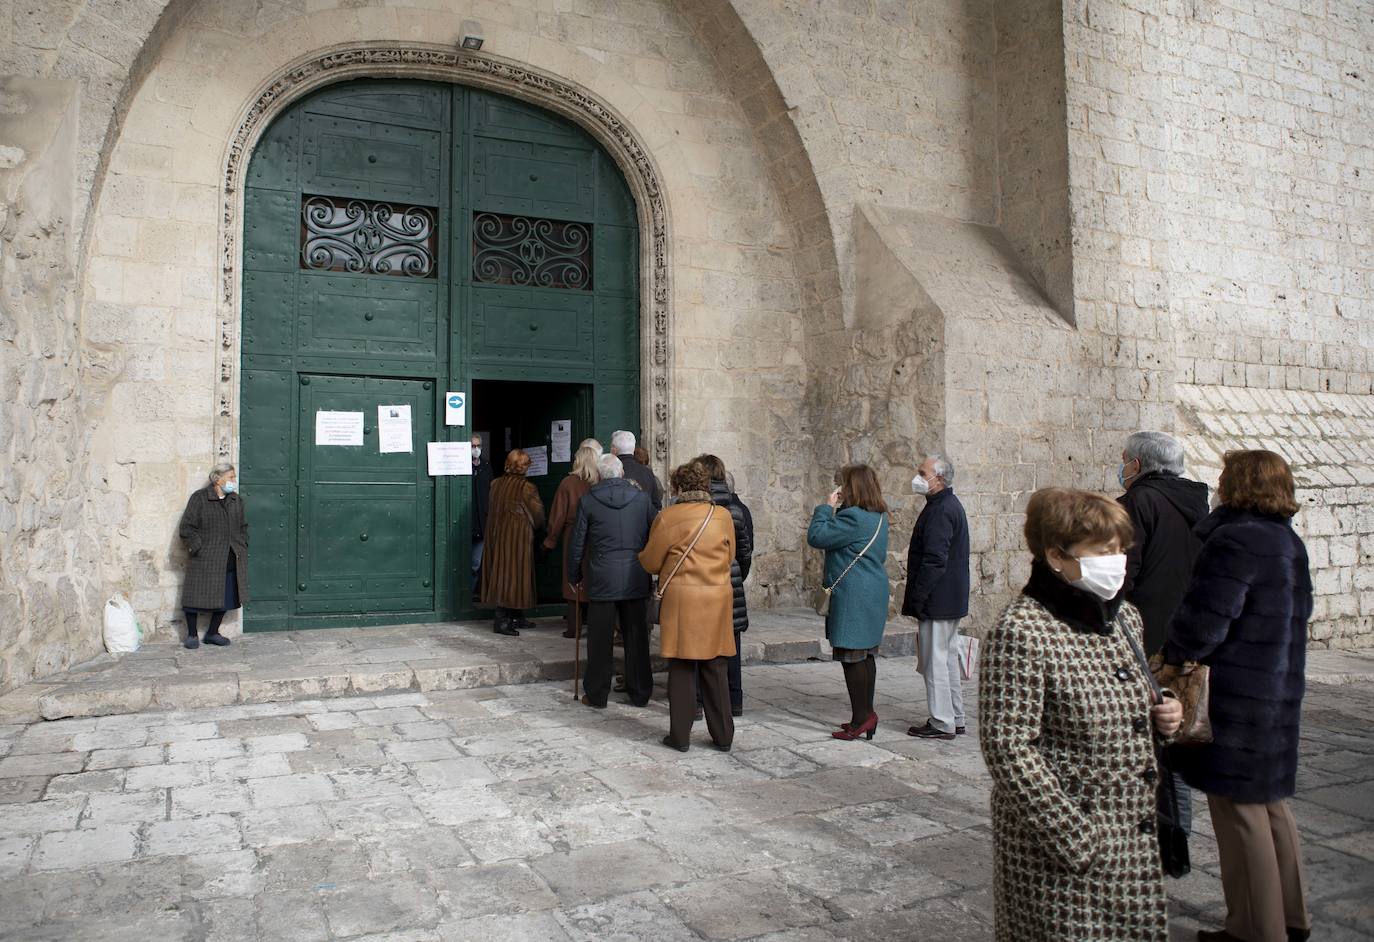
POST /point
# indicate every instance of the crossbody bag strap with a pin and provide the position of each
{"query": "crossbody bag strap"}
(881, 520)
(658, 593)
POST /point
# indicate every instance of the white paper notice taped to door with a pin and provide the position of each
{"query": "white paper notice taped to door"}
(560, 436)
(450, 458)
(393, 429)
(539, 461)
(339, 428)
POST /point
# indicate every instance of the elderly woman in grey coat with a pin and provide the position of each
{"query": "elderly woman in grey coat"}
(215, 532)
(1068, 728)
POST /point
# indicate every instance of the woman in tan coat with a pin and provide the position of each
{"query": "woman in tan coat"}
(563, 515)
(514, 514)
(696, 614)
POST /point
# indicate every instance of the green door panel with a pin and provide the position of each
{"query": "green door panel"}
(615, 261)
(617, 339)
(501, 117)
(518, 325)
(265, 414)
(271, 225)
(392, 317)
(533, 179)
(269, 321)
(415, 104)
(370, 160)
(614, 204)
(269, 531)
(616, 406)
(365, 520)
(276, 158)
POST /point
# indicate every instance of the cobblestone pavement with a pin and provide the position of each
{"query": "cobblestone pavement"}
(509, 813)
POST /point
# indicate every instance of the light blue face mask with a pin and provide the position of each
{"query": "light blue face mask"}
(1121, 474)
(230, 487)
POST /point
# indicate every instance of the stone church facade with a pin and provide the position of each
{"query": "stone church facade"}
(1012, 230)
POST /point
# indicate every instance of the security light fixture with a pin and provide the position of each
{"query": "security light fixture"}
(472, 35)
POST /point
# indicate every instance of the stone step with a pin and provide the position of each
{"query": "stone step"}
(343, 662)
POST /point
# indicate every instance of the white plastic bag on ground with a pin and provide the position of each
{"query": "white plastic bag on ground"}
(123, 634)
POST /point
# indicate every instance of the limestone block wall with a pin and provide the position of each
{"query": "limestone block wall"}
(51, 565)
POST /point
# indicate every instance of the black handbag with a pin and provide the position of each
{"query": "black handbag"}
(1169, 829)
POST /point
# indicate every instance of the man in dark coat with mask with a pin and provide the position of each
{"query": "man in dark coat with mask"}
(1164, 507)
(613, 521)
(481, 500)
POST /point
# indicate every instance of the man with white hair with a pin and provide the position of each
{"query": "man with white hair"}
(623, 447)
(613, 521)
(937, 595)
(1164, 507)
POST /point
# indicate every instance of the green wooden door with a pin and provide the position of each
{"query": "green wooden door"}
(403, 239)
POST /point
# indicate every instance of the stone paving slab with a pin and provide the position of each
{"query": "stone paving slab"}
(512, 813)
(342, 662)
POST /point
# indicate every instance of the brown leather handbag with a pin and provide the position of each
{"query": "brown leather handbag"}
(1191, 683)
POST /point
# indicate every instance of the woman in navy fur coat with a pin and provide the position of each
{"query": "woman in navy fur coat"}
(1245, 615)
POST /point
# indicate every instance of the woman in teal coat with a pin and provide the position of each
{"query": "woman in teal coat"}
(851, 526)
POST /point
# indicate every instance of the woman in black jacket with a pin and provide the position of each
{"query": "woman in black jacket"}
(723, 495)
(1245, 616)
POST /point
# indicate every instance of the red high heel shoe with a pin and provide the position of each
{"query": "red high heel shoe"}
(864, 729)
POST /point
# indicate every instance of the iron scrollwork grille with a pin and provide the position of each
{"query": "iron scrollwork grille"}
(530, 252)
(368, 237)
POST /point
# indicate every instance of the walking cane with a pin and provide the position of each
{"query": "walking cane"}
(577, 641)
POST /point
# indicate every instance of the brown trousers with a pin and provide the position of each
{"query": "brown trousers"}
(1261, 869)
(715, 699)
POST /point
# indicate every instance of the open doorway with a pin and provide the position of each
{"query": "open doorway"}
(515, 414)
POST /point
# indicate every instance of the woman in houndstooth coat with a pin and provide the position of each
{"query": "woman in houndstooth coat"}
(1068, 730)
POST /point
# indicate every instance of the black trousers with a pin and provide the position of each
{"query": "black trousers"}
(734, 676)
(683, 676)
(634, 629)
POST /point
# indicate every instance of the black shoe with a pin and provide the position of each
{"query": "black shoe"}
(668, 741)
(190, 642)
(503, 627)
(1299, 935)
(595, 706)
(960, 730)
(628, 702)
(720, 748)
(217, 639)
(619, 686)
(737, 711)
(928, 732)
(569, 633)
(522, 624)
(1216, 935)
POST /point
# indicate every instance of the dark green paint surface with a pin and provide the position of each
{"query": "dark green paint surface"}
(348, 536)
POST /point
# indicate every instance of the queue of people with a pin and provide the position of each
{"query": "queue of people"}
(1075, 730)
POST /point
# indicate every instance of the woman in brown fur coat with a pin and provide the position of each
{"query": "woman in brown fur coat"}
(514, 514)
(1068, 728)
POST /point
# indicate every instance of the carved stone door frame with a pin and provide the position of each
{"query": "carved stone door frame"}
(445, 64)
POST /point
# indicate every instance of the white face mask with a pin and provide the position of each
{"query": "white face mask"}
(476, 452)
(1103, 576)
(920, 485)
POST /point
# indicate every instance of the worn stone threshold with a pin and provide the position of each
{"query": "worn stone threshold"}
(343, 662)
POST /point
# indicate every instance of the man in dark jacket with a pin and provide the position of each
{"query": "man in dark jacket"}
(937, 594)
(612, 526)
(723, 495)
(623, 447)
(1164, 508)
(481, 500)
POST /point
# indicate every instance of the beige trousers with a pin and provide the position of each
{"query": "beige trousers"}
(1261, 869)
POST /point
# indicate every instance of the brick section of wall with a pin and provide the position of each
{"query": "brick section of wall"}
(1329, 438)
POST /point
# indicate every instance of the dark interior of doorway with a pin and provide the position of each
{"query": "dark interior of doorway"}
(516, 414)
